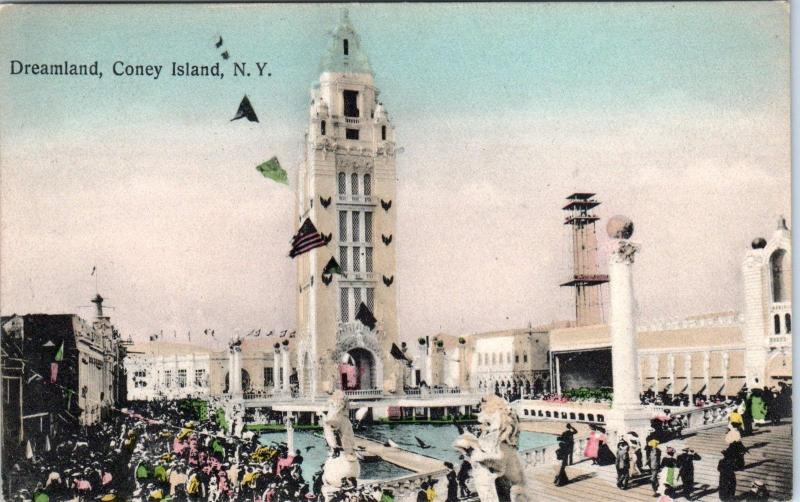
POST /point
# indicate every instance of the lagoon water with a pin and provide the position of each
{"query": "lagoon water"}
(439, 437)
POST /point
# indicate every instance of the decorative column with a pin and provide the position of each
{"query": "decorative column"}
(725, 361)
(707, 373)
(289, 421)
(235, 368)
(654, 371)
(627, 414)
(558, 376)
(286, 367)
(687, 370)
(671, 373)
(276, 369)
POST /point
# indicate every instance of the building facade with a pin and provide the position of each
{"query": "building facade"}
(511, 358)
(346, 187)
(164, 370)
(714, 354)
(58, 369)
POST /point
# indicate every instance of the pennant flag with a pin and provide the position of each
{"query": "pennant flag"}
(53, 372)
(60, 354)
(272, 169)
(332, 267)
(398, 354)
(47, 443)
(245, 111)
(307, 238)
(365, 316)
(49, 344)
(28, 450)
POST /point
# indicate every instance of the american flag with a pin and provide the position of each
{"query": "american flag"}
(306, 239)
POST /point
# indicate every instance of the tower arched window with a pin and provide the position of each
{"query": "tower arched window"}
(787, 322)
(322, 128)
(778, 271)
(354, 184)
(777, 322)
(367, 184)
(342, 184)
(346, 47)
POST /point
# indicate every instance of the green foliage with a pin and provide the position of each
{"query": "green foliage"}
(594, 394)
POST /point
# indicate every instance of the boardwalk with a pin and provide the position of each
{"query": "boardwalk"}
(769, 459)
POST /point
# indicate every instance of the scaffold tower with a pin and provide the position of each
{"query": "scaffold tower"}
(586, 279)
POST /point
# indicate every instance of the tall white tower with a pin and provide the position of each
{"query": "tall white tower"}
(346, 186)
(767, 276)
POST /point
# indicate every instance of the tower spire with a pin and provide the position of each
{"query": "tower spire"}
(344, 54)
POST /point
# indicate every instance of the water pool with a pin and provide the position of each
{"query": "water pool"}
(315, 451)
(439, 437)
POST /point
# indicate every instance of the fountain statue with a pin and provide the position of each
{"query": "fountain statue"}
(341, 468)
(496, 466)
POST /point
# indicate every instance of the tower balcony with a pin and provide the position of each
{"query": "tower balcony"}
(352, 121)
(345, 198)
(358, 276)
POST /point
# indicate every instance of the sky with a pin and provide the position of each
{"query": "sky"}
(676, 115)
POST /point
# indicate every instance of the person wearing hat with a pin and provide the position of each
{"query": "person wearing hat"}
(463, 476)
(562, 455)
(653, 455)
(669, 473)
(452, 483)
(686, 462)
(758, 492)
(623, 464)
(727, 476)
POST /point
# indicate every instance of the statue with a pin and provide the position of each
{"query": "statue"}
(342, 467)
(496, 466)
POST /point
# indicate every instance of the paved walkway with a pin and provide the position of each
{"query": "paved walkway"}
(769, 459)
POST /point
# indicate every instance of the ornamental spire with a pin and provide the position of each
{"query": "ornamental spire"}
(344, 54)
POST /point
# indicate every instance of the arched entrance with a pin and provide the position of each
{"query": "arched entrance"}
(245, 381)
(357, 370)
(779, 368)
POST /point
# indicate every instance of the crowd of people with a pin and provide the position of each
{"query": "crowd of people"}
(159, 451)
(669, 472)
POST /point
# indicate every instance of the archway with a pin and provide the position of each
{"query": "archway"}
(245, 381)
(357, 370)
(779, 368)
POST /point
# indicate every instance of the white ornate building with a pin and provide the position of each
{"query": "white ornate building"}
(346, 186)
(707, 354)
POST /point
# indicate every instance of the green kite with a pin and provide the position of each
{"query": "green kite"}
(272, 169)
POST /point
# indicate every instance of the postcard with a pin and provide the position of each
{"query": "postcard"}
(396, 252)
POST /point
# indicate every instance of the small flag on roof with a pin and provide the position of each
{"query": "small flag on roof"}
(365, 316)
(398, 354)
(306, 239)
(60, 354)
(272, 169)
(332, 267)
